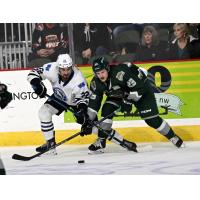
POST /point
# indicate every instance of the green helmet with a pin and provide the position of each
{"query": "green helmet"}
(100, 64)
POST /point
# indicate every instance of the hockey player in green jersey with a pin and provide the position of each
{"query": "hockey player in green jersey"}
(123, 82)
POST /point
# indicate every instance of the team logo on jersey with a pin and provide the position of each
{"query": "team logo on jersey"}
(59, 94)
(120, 75)
(131, 83)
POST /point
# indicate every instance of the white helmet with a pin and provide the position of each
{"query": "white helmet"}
(64, 61)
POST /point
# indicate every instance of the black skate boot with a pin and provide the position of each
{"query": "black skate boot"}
(131, 146)
(177, 141)
(98, 146)
(48, 145)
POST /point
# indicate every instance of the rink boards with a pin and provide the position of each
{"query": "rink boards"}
(19, 124)
(137, 134)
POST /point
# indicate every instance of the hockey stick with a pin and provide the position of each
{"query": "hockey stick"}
(71, 110)
(139, 149)
(27, 158)
(61, 104)
(112, 137)
(93, 123)
(97, 123)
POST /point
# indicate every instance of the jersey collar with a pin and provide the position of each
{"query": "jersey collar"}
(67, 81)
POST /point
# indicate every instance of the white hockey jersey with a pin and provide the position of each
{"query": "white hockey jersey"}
(72, 92)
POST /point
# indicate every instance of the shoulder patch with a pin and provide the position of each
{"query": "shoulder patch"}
(48, 67)
(120, 75)
(81, 85)
(93, 85)
(131, 83)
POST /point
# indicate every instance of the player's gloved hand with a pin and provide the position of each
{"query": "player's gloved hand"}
(81, 115)
(3, 88)
(118, 93)
(86, 128)
(5, 96)
(126, 107)
(39, 87)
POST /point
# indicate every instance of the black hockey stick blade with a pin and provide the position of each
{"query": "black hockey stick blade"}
(27, 158)
(24, 158)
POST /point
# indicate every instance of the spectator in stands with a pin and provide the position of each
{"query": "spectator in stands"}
(124, 42)
(184, 46)
(194, 29)
(151, 48)
(48, 41)
(91, 40)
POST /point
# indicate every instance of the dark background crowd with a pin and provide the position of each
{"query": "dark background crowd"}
(125, 42)
(136, 42)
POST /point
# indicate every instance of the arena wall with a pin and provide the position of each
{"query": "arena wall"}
(20, 124)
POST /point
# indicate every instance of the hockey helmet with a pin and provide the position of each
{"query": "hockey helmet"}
(64, 61)
(100, 64)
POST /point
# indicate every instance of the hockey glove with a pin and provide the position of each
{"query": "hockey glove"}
(81, 115)
(126, 107)
(5, 98)
(118, 94)
(3, 88)
(86, 128)
(39, 87)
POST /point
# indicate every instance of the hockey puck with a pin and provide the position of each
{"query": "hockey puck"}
(81, 161)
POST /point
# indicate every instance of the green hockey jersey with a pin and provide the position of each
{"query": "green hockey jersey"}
(123, 79)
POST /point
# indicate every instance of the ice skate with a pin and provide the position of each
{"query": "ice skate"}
(48, 145)
(98, 146)
(177, 141)
(131, 146)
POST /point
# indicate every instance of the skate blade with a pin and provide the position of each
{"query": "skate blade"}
(135, 150)
(100, 151)
(51, 153)
(144, 148)
(183, 145)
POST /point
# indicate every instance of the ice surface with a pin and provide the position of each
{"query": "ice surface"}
(162, 158)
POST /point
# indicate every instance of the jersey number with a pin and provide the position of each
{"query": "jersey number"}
(85, 95)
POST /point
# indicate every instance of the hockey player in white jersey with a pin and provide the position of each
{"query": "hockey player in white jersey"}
(68, 85)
